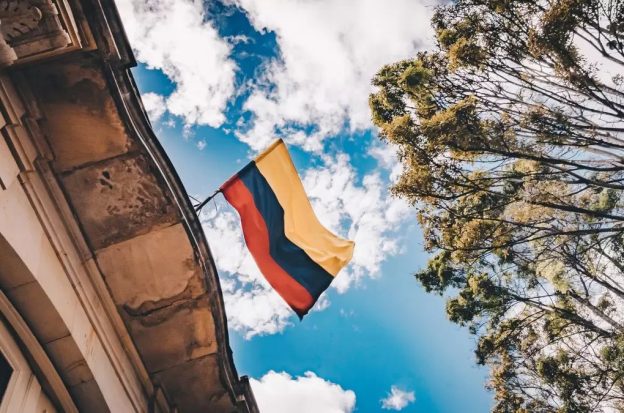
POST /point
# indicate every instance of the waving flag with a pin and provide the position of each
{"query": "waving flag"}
(295, 253)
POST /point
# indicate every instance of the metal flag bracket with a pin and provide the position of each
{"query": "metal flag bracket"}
(198, 207)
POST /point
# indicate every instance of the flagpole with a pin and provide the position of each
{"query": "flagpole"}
(262, 154)
(199, 206)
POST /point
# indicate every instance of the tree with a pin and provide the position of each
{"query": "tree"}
(511, 133)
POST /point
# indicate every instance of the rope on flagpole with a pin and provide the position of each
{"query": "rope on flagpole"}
(199, 206)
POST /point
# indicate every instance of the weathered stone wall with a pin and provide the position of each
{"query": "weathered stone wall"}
(100, 249)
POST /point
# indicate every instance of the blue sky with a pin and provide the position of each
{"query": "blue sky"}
(220, 81)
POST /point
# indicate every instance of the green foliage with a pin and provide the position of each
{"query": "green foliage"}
(513, 145)
(439, 275)
(465, 52)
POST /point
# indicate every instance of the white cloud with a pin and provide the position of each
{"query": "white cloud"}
(201, 145)
(397, 399)
(281, 393)
(174, 37)
(330, 50)
(239, 38)
(154, 105)
(386, 157)
(170, 123)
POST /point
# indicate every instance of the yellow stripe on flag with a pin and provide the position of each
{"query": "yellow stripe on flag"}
(302, 227)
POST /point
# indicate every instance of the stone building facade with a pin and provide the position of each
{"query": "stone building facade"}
(110, 300)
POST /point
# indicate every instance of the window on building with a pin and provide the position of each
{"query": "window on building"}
(5, 375)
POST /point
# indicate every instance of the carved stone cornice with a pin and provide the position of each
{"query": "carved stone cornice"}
(18, 18)
(34, 28)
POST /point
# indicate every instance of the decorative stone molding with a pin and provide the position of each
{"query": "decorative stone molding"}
(33, 28)
(18, 18)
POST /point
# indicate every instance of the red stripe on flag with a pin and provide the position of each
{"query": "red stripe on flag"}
(257, 238)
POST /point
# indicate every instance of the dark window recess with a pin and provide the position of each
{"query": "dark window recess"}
(5, 375)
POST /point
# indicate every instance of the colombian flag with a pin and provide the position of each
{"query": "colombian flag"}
(295, 253)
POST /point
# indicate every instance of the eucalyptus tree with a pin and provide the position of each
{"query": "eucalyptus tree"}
(511, 134)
